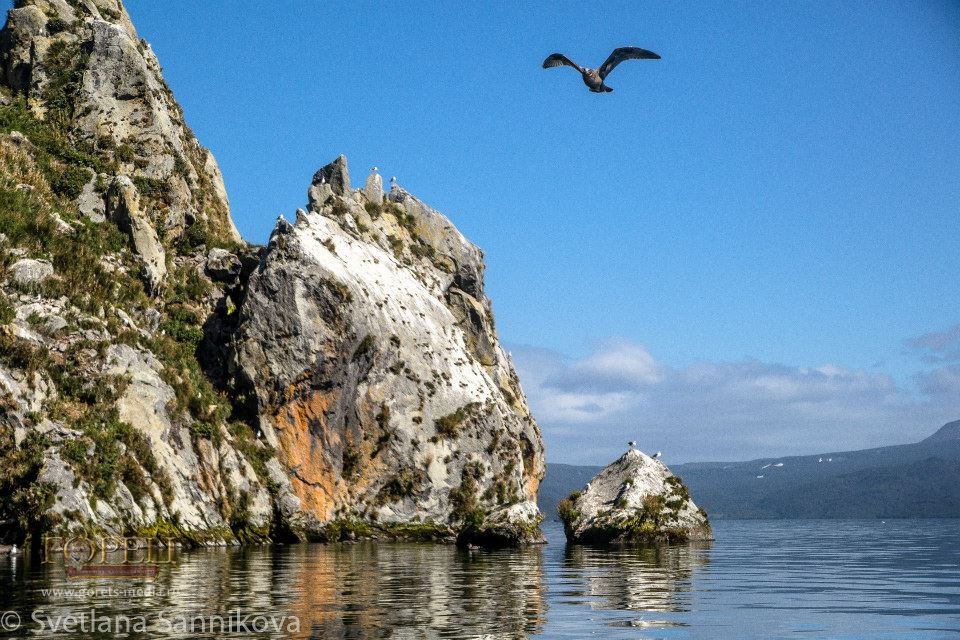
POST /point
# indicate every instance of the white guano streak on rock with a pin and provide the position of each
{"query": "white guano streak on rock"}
(409, 307)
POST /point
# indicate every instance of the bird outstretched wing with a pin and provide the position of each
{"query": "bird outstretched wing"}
(560, 60)
(621, 54)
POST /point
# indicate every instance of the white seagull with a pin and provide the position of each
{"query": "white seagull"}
(657, 455)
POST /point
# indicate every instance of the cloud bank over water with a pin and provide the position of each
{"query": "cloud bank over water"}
(590, 407)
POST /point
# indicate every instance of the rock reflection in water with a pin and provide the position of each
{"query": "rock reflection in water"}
(655, 579)
(356, 591)
(406, 590)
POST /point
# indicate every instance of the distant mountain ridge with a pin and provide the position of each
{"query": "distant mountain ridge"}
(920, 480)
(949, 431)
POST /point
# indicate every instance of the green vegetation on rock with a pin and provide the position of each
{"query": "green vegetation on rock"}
(98, 300)
(449, 425)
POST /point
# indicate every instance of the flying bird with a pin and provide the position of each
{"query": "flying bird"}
(594, 78)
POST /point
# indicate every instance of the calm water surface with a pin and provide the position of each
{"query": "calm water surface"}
(806, 579)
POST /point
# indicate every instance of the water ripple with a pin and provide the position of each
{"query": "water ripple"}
(808, 579)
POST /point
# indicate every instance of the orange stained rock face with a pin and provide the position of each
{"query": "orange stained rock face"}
(531, 485)
(314, 476)
(533, 468)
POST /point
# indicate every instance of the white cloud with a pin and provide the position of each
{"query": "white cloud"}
(620, 361)
(589, 408)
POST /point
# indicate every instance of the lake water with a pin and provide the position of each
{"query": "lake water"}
(803, 579)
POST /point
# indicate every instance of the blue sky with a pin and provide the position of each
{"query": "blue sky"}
(781, 189)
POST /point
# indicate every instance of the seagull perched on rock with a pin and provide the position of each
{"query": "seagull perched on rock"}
(632, 444)
(594, 78)
(657, 455)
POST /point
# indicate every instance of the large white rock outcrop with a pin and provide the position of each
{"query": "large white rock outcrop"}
(634, 500)
(368, 346)
(158, 376)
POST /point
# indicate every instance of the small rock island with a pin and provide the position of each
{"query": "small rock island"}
(634, 500)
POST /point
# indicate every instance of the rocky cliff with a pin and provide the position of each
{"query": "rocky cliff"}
(158, 375)
(634, 500)
(113, 221)
(81, 67)
(367, 345)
